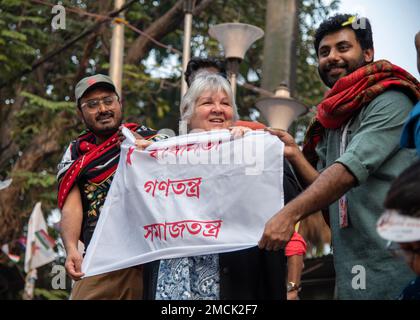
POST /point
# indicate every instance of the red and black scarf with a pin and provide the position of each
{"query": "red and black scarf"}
(353, 92)
(93, 162)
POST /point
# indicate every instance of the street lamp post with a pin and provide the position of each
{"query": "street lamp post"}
(236, 38)
(117, 50)
(186, 53)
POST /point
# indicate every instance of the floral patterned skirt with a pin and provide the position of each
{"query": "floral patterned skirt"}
(191, 278)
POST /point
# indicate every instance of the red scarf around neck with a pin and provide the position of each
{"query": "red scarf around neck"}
(87, 157)
(353, 92)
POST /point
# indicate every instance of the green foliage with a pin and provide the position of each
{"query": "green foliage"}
(36, 114)
(53, 106)
(11, 3)
(17, 50)
(40, 186)
(36, 179)
(45, 294)
(13, 35)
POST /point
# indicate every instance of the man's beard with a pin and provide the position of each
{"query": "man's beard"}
(103, 132)
(107, 132)
(330, 82)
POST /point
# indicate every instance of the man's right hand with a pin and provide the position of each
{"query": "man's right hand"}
(277, 231)
(74, 264)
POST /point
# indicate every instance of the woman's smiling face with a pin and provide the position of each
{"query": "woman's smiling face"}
(213, 110)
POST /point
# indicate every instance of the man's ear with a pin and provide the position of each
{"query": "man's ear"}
(368, 54)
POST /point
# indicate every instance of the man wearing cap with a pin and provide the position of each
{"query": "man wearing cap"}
(85, 175)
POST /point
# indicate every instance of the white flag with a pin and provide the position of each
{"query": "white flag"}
(5, 248)
(189, 195)
(39, 245)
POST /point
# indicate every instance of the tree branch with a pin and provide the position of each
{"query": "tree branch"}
(160, 28)
(45, 144)
(68, 44)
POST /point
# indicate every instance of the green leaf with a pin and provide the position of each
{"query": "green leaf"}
(13, 35)
(48, 104)
(37, 20)
(51, 294)
(11, 3)
(36, 179)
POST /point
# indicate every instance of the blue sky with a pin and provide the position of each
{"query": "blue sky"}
(394, 25)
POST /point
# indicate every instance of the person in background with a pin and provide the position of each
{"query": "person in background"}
(410, 137)
(400, 224)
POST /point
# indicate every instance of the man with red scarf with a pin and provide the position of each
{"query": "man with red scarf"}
(85, 175)
(354, 143)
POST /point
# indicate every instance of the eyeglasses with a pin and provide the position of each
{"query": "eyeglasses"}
(92, 106)
(406, 254)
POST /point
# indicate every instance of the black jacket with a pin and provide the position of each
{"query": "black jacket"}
(245, 274)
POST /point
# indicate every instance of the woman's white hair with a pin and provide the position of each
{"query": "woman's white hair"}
(205, 81)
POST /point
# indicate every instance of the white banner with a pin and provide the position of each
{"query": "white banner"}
(196, 194)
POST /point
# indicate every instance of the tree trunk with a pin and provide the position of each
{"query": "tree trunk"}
(43, 146)
(279, 63)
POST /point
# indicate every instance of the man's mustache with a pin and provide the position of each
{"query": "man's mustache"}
(105, 115)
(335, 65)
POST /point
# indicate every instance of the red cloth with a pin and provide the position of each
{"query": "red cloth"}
(254, 125)
(357, 89)
(88, 155)
(296, 246)
(353, 92)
